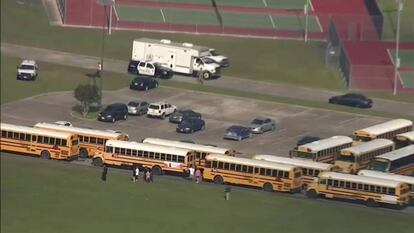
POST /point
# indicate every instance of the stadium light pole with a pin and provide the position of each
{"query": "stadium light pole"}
(397, 45)
(104, 4)
(306, 11)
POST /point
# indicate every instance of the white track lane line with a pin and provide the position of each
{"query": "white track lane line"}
(163, 16)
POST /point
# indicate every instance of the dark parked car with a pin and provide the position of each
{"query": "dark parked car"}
(137, 108)
(307, 139)
(262, 124)
(190, 125)
(237, 132)
(143, 83)
(160, 71)
(180, 115)
(352, 99)
(114, 112)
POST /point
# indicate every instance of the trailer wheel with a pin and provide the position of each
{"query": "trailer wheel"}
(206, 75)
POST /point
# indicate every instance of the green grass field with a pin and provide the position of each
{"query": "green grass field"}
(285, 4)
(406, 57)
(292, 62)
(51, 196)
(51, 78)
(230, 19)
(389, 11)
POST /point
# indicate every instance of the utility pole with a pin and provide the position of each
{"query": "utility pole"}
(306, 11)
(104, 4)
(397, 45)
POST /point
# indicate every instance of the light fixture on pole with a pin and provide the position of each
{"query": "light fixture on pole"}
(397, 45)
(103, 3)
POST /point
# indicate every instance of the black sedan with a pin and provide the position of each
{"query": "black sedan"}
(180, 115)
(237, 132)
(307, 139)
(191, 125)
(160, 71)
(352, 99)
(143, 83)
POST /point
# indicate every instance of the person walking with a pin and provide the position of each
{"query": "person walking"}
(136, 173)
(227, 191)
(104, 173)
(98, 71)
(191, 170)
(198, 175)
(147, 176)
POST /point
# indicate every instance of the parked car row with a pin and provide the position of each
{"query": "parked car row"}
(258, 125)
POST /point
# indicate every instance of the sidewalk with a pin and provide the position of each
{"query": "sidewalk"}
(90, 62)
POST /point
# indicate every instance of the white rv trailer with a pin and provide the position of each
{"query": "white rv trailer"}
(183, 58)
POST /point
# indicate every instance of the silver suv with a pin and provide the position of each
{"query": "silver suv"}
(262, 124)
(137, 108)
(160, 109)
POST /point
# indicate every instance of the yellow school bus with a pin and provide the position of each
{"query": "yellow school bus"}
(325, 150)
(389, 176)
(386, 130)
(310, 169)
(355, 158)
(372, 191)
(201, 151)
(399, 161)
(250, 172)
(404, 139)
(90, 140)
(158, 158)
(46, 144)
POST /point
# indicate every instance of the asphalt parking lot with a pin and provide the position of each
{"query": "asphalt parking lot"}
(219, 112)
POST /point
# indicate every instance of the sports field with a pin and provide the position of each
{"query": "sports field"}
(407, 66)
(230, 19)
(50, 196)
(389, 11)
(287, 4)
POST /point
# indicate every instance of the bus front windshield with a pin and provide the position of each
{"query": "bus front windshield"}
(379, 166)
(346, 158)
(305, 155)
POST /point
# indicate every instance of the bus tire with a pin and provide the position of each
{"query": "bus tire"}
(218, 180)
(83, 153)
(268, 187)
(156, 171)
(312, 194)
(371, 203)
(97, 162)
(45, 154)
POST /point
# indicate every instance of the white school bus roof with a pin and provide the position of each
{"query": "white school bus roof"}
(325, 143)
(294, 162)
(407, 135)
(147, 147)
(35, 131)
(189, 146)
(387, 176)
(168, 43)
(368, 146)
(397, 154)
(77, 130)
(359, 179)
(384, 127)
(249, 162)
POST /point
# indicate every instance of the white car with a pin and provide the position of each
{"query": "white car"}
(64, 123)
(160, 109)
(146, 68)
(27, 70)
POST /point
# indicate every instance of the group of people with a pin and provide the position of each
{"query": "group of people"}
(194, 174)
(148, 177)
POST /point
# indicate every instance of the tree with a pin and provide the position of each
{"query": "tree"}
(86, 94)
